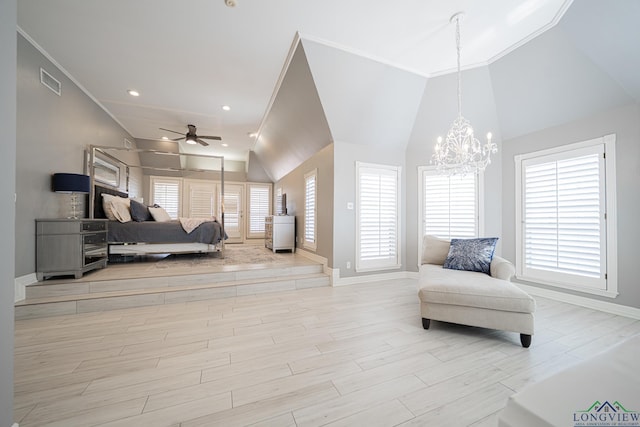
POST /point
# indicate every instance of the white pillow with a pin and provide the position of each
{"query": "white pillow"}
(434, 250)
(159, 214)
(107, 205)
(121, 211)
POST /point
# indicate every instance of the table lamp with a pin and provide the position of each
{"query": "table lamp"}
(71, 183)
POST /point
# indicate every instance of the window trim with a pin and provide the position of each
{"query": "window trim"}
(397, 263)
(306, 243)
(480, 218)
(610, 244)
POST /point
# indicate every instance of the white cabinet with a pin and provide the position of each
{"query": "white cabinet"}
(280, 232)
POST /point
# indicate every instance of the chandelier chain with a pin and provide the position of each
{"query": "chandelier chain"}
(459, 72)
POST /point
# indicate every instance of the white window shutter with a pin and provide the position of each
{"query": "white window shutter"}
(450, 205)
(378, 217)
(166, 193)
(202, 202)
(259, 208)
(563, 211)
(310, 214)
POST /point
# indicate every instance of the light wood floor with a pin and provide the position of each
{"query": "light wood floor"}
(347, 356)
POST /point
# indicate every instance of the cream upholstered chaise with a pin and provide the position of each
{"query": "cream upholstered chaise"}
(470, 297)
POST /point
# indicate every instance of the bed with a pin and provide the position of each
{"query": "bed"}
(152, 237)
(143, 237)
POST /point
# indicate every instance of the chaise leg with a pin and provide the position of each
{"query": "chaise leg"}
(425, 323)
(525, 340)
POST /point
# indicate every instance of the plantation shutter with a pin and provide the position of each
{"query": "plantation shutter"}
(450, 205)
(563, 215)
(166, 193)
(259, 208)
(378, 217)
(201, 203)
(279, 206)
(310, 209)
(231, 209)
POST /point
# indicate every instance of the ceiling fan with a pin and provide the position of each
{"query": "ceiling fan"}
(191, 138)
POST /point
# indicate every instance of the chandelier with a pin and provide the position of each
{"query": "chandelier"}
(461, 152)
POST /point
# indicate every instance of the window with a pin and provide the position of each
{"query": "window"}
(449, 205)
(310, 214)
(202, 197)
(378, 217)
(166, 193)
(565, 216)
(259, 208)
(279, 206)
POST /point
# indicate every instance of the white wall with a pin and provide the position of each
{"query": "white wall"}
(53, 133)
(344, 228)
(625, 123)
(293, 186)
(7, 208)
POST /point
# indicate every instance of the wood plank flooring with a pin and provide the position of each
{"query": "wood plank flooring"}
(346, 356)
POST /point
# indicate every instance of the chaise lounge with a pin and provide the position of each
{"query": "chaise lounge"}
(484, 297)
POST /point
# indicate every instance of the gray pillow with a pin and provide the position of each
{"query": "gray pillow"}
(139, 212)
(471, 254)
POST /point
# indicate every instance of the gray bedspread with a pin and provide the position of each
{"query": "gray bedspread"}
(162, 232)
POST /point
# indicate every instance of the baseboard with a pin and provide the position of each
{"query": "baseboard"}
(354, 280)
(21, 284)
(607, 307)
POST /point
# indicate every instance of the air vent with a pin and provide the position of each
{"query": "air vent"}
(49, 81)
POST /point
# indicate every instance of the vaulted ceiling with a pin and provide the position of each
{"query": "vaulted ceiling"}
(308, 73)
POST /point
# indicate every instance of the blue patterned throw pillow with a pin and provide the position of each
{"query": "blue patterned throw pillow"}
(471, 254)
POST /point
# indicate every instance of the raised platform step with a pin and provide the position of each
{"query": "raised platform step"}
(60, 297)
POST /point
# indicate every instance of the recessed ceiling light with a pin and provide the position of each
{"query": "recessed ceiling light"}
(164, 138)
(226, 108)
(224, 144)
(252, 134)
(133, 92)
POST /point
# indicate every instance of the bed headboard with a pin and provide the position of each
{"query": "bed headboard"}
(98, 211)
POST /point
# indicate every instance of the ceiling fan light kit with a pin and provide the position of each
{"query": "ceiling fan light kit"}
(191, 137)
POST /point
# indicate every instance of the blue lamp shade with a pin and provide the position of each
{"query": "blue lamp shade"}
(70, 183)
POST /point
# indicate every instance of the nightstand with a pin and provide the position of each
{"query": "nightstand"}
(279, 232)
(70, 246)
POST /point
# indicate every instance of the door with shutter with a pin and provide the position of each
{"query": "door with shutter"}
(234, 212)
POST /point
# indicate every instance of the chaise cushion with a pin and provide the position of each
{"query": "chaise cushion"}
(472, 289)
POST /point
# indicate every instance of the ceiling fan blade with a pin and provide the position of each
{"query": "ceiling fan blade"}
(169, 130)
(217, 138)
(201, 142)
(178, 139)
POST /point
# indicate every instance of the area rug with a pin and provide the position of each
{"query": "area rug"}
(233, 255)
